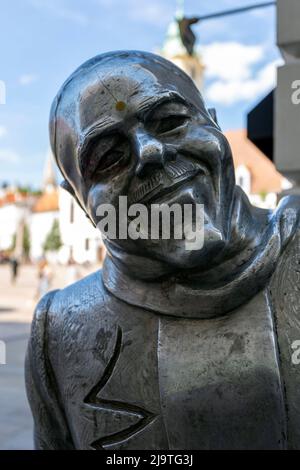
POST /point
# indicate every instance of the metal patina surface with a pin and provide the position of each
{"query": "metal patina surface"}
(165, 348)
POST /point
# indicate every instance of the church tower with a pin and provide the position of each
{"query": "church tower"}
(49, 177)
(174, 50)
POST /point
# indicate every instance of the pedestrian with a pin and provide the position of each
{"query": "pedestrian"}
(14, 263)
(44, 278)
(72, 272)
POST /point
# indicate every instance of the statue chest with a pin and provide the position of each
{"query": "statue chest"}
(181, 384)
(220, 382)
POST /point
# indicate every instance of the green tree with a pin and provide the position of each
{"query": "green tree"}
(26, 241)
(13, 242)
(53, 240)
(263, 195)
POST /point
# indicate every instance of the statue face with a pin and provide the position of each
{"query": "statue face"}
(133, 124)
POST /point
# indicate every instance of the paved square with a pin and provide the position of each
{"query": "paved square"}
(17, 303)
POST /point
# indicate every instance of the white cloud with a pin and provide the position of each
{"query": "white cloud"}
(3, 131)
(8, 155)
(230, 60)
(27, 79)
(232, 91)
(230, 66)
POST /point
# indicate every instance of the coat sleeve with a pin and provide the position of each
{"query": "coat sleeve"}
(51, 431)
(285, 302)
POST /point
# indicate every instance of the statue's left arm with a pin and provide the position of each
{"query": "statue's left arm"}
(285, 302)
(51, 430)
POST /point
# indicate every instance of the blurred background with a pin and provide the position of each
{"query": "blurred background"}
(46, 242)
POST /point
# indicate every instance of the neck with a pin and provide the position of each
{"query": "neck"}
(246, 262)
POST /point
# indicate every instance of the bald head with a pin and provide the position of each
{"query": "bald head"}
(104, 90)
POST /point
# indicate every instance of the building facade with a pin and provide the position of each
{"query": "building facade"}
(80, 241)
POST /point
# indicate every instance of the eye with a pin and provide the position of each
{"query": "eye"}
(167, 124)
(110, 159)
(107, 156)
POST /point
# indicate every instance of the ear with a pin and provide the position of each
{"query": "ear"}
(66, 185)
(213, 115)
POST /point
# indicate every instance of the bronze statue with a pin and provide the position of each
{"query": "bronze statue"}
(165, 348)
(187, 35)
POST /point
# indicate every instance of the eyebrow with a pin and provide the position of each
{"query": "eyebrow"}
(149, 104)
(108, 124)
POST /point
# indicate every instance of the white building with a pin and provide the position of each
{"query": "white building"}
(44, 212)
(254, 172)
(11, 215)
(81, 240)
(15, 208)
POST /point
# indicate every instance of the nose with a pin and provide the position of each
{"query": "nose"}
(151, 152)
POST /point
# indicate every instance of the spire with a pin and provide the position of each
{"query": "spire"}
(49, 177)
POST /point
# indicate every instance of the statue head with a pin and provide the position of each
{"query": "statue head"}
(133, 124)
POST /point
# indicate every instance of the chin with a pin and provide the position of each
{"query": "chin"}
(174, 252)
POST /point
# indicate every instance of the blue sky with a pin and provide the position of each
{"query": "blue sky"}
(43, 41)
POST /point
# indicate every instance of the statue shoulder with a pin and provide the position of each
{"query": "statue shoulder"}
(58, 318)
(41, 386)
(39, 327)
(64, 307)
(43, 305)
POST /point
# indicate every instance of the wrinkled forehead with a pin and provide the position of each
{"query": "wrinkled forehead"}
(113, 94)
(117, 88)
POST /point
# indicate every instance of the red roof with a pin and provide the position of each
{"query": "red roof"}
(264, 176)
(47, 202)
(11, 197)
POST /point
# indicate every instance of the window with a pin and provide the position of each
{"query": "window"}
(243, 178)
(241, 181)
(72, 212)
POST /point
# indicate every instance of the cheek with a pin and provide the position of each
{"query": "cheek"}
(98, 194)
(108, 188)
(106, 193)
(206, 144)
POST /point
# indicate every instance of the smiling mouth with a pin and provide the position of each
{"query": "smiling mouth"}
(167, 181)
(156, 195)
